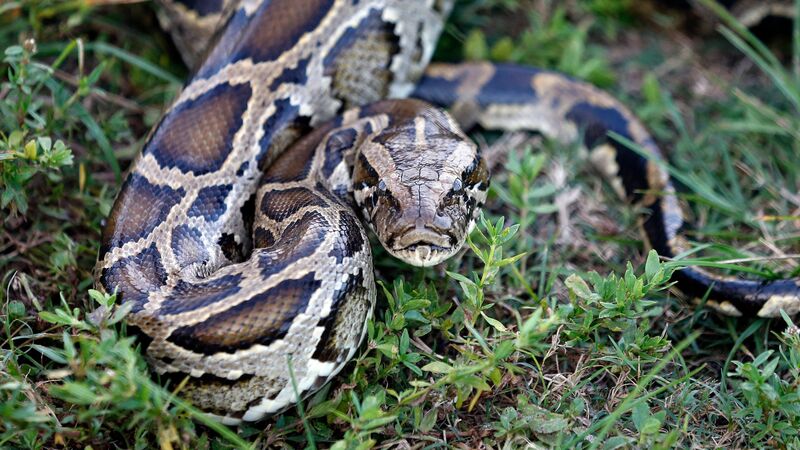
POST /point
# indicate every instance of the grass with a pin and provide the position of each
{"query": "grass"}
(542, 334)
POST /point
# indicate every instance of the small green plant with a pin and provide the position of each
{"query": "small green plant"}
(100, 375)
(552, 42)
(768, 388)
(23, 151)
(616, 304)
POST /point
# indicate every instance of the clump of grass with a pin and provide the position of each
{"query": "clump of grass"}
(96, 380)
(739, 137)
(25, 148)
(766, 392)
(549, 39)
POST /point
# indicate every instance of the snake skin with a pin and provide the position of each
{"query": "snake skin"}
(234, 235)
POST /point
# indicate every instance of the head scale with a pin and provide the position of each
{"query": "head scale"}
(420, 183)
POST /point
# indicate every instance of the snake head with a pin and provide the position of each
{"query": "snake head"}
(420, 184)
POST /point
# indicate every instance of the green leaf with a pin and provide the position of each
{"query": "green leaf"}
(437, 367)
(639, 414)
(415, 304)
(404, 342)
(549, 423)
(651, 90)
(579, 287)
(15, 138)
(51, 353)
(16, 309)
(509, 260)
(475, 382)
(460, 278)
(475, 47)
(53, 318)
(45, 143)
(616, 442)
(14, 50)
(652, 266)
(504, 349)
(496, 324)
(120, 313)
(428, 421)
(503, 50)
(651, 426)
(31, 150)
(75, 393)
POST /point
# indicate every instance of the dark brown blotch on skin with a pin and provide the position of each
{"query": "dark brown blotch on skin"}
(262, 319)
(295, 163)
(298, 240)
(203, 7)
(263, 238)
(187, 297)
(134, 277)
(197, 136)
(364, 175)
(280, 205)
(211, 202)
(352, 242)
(140, 208)
(259, 36)
(264, 40)
(283, 128)
(329, 349)
(338, 142)
(187, 246)
(359, 62)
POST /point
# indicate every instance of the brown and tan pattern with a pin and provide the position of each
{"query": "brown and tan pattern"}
(236, 236)
(223, 298)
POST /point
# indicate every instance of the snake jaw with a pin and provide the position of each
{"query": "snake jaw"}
(421, 246)
(423, 255)
(421, 235)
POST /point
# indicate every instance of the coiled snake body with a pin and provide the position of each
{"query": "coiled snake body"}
(235, 238)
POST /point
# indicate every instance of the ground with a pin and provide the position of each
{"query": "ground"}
(556, 329)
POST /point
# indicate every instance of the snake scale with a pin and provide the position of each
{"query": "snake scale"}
(236, 238)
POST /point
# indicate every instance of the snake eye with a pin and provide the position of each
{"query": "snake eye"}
(457, 185)
(382, 186)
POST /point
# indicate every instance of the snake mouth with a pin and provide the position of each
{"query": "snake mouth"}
(421, 236)
(423, 255)
(422, 247)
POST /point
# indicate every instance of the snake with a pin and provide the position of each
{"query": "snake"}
(239, 239)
